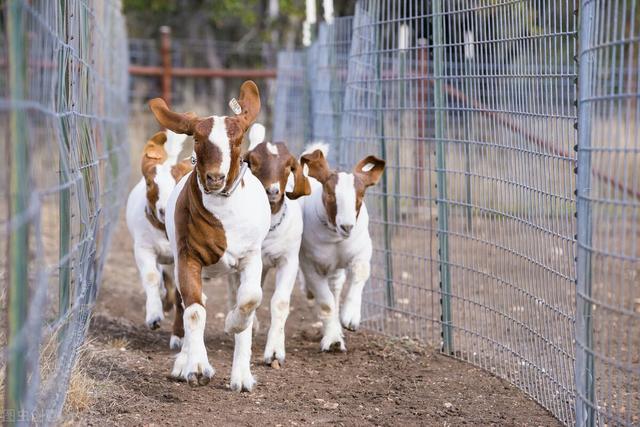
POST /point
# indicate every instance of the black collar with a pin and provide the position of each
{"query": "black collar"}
(284, 213)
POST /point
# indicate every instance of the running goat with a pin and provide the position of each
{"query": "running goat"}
(273, 164)
(336, 246)
(146, 205)
(217, 217)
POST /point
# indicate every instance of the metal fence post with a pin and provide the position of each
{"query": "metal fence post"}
(388, 250)
(165, 53)
(584, 368)
(443, 207)
(18, 285)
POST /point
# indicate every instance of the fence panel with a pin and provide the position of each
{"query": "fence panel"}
(472, 105)
(608, 304)
(63, 111)
(291, 118)
(486, 242)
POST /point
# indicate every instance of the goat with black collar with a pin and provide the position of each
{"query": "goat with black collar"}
(273, 165)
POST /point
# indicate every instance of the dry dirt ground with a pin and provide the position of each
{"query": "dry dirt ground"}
(379, 381)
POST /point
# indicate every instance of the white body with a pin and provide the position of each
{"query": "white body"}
(328, 259)
(151, 246)
(245, 217)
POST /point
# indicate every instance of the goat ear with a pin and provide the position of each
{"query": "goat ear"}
(301, 186)
(154, 147)
(178, 122)
(180, 169)
(249, 101)
(369, 170)
(317, 164)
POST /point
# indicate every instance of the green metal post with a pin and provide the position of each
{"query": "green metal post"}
(585, 376)
(16, 370)
(64, 235)
(389, 291)
(443, 207)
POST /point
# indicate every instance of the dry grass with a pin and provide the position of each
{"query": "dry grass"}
(119, 343)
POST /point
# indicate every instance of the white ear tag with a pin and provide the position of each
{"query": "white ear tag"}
(235, 106)
(367, 167)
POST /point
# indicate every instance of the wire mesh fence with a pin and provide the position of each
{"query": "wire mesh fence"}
(505, 228)
(63, 114)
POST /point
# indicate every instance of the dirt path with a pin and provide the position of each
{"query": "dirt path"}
(379, 381)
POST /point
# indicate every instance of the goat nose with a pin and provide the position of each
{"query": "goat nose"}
(215, 178)
(273, 191)
(346, 228)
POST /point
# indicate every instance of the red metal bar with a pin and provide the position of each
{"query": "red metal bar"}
(141, 70)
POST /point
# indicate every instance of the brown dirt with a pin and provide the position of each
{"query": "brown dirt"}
(379, 381)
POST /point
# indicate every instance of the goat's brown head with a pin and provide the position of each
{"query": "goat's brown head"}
(272, 163)
(343, 192)
(217, 138)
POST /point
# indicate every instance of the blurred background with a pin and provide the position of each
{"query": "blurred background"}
(211, 46)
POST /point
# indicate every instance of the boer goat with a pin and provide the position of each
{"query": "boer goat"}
(217, 217)
(272, 164)
(336, 246)
(146, 205)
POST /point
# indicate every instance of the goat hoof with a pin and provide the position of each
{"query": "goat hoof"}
(350, 327)
(246, 384)
(196, 379)
(175, 343)
(337, 345)
(154, 324)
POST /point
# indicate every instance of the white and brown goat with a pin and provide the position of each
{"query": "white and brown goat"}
(161, 169)
(336, 246)
(217, 217)
(273, 164)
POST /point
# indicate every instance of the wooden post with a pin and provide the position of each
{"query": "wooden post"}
(165, 53)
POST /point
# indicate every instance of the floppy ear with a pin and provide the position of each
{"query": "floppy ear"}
(301, 186)
(369, 170)
(180, 169)
(249, 100)
(154, 146)
(177, 122)
(317, 164)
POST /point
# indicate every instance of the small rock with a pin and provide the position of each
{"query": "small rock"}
(317, 325)
(448, 405)
(330, 405)
(219, 315)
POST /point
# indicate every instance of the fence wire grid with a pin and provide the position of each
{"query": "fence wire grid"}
(506, 225)
(63, 115)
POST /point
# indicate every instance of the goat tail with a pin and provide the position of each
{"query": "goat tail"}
(256, 135)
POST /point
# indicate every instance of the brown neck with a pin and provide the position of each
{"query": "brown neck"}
(153, 219)
(198, 231)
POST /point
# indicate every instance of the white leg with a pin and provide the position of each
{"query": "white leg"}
(239, 321)
(248, 297)
(192, 363)
(285, 280)
(336, 282)
(351, 310)
(232, 290)
(325, 303)
(152, 282)
(241, 378)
